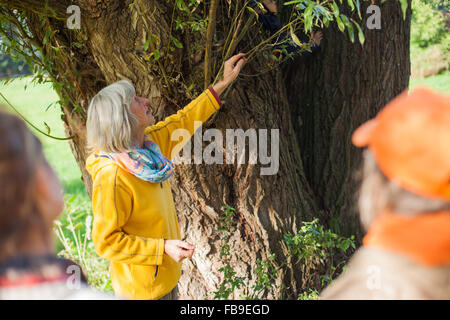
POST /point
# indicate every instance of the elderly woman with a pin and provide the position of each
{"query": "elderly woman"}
(404, 203)
(31, 198)
(135, 224)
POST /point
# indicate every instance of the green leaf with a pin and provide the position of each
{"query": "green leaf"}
(156, 55)
(308, 17)
(179, 24)
(358, 7)
(177, 43)
(360, 33)
(350, 30)
(47, 127)
(309, 10)
(146, 44)
(46, 109)
(335, 9)
(294, 37)
(79, 225)
(181, 5)
(155, 39)
(53, 12)
(252, 11)
(340, 24)
(404, 4)
(292, 2)
(47, 36)
(350, 3)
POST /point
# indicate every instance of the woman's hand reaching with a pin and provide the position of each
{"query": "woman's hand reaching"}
(231, 70)
(178, 250)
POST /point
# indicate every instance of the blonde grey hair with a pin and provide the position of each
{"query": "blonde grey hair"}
(378, 194)
(110, 123)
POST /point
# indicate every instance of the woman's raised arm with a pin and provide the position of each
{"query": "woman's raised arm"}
(200, 109)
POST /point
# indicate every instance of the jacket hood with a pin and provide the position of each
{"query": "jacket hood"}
(94, 163)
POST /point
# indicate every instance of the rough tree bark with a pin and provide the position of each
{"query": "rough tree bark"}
(335, 91)
(315, 102)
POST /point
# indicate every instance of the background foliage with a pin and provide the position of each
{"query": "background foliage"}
(430, 38)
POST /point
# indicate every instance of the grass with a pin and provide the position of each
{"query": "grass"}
(439, 82)
(426, 62)
(32, 103)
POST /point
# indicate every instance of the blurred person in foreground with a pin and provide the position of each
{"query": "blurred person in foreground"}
(31, 198)
(404, 203)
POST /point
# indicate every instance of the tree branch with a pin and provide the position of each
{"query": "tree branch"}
(53, 8)
(11, 16)
(209, 39)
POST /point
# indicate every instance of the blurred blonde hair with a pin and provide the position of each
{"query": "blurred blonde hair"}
(110, 123)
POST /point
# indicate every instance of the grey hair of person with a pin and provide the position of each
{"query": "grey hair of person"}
(378, 194)
(110, 123)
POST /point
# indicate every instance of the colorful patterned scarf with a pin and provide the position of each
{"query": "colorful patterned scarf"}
(146, 163)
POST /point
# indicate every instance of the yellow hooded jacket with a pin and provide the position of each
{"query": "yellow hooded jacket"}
(132, 217)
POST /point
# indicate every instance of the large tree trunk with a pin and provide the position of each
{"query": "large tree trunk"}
(315, 102)
(336, 90)
(267, 206)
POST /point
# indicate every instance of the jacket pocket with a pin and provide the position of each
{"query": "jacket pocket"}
(145, 276)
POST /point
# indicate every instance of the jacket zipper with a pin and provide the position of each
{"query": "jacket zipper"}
(157, 267)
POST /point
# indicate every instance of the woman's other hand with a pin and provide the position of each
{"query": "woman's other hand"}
(231, 70)
(178, 250)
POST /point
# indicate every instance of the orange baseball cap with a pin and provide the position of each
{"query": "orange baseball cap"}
(410, 139)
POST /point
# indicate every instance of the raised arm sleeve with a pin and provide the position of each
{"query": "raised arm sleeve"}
(199, 109)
